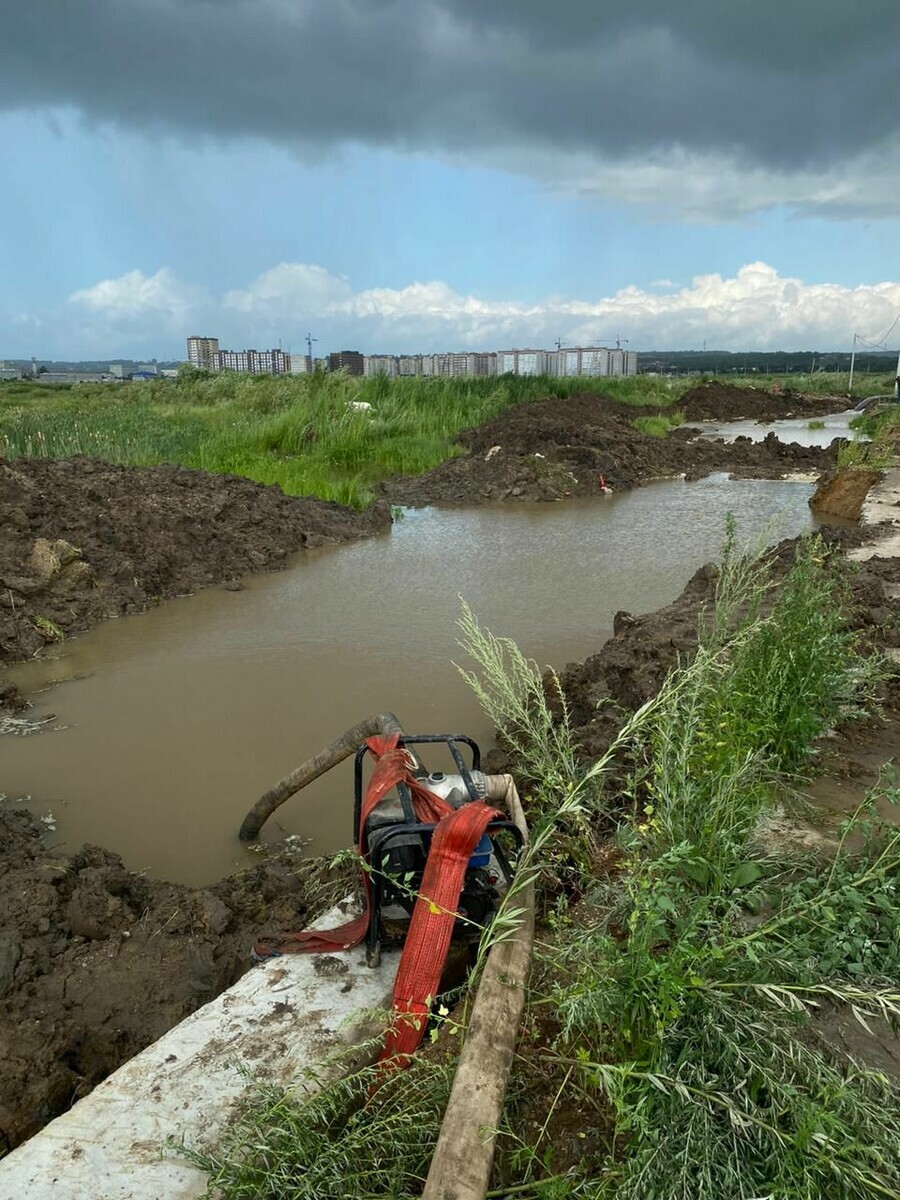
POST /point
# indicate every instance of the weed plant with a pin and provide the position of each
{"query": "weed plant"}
(699, 1028)
(327, 1138)
(691, 1020)
(685, 1014)
(873, 455)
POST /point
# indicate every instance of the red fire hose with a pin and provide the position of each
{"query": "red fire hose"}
(457, 833)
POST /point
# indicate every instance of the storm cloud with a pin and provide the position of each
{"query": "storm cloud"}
(581, 93)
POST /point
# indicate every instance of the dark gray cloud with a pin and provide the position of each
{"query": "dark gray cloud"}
(784, 84)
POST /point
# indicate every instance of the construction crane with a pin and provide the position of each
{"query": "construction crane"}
(309, 357)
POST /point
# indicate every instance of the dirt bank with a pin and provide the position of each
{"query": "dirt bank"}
(716, 401)
(553, 448)
(82, 540)
(97, 962)
(630, 667)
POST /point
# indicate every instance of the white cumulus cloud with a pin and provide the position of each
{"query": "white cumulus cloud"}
(138, 295)
(754, 309)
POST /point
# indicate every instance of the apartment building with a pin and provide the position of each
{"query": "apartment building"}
(350, 361)
(381, 364)
(201, 352)
(524, 362)
(269, 362)
(593, 361)
(253, 362)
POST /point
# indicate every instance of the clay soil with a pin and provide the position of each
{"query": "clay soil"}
(82, 540)
(97, 962)
(554, 448)
(716, 401)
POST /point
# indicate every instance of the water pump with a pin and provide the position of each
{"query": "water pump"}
(395, 844)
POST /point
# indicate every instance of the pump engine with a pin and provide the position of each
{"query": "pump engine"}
(396, 843)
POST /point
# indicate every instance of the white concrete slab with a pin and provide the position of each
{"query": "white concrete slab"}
(882, 505)
(282, 1016)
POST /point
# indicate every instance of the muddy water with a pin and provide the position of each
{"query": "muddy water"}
(175, 721)
(837, 425)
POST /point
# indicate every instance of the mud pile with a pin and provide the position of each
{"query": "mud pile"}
(97, 962)
(716, 401)
(81, 540)
(552, 448)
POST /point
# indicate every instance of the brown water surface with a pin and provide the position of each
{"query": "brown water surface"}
(176, 720)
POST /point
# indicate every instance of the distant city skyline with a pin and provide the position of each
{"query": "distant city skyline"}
(452, 174)
(205, 353)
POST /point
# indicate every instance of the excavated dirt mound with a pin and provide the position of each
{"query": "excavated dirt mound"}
(552, 448)
(715, 401)
(97, 962)
(81, 540)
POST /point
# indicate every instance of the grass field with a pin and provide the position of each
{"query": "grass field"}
(299, 431)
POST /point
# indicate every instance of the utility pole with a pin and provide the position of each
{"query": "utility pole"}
(852, 364)
(309, 355)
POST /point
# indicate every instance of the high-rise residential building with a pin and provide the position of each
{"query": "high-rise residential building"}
(232, 360)
(523, 362)
(201, 352)
(350, 361)
(381, 364)
(253, 362)
(269, 362)
(595, 361)
(482, 364)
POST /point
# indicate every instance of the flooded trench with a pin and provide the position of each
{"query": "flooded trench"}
(802, 430)
(170, 724)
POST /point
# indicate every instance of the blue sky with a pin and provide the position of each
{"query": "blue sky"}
(514, 190)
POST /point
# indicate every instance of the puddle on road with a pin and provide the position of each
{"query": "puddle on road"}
(178, 719)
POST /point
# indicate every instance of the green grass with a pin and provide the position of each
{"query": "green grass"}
(873, 455)
(297, 431)
(291, 1145)
(659, 426)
